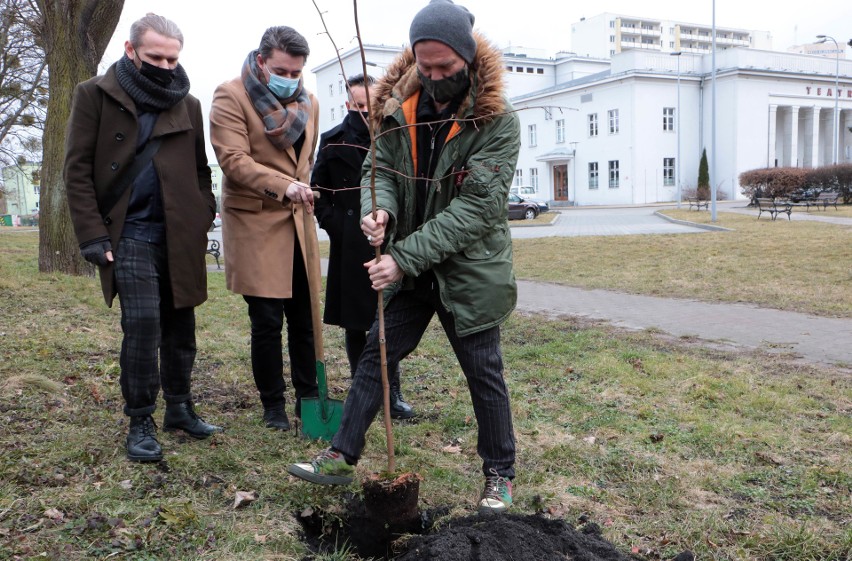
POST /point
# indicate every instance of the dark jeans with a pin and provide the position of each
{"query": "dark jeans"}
(406, 318)
(158, 347)
(267, 322)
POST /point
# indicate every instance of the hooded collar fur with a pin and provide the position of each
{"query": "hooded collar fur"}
(401, 81)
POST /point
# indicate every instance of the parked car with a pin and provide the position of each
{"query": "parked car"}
(522, 209)
(217, 222)
(800, 195)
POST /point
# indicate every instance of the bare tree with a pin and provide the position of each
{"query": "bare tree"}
(23, 84)
(74, 35)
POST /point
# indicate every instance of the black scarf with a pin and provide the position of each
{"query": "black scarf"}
(146, 94)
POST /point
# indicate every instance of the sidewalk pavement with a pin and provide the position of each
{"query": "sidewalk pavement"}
(813, 338)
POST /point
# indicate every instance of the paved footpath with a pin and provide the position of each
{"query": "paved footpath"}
(815, 339)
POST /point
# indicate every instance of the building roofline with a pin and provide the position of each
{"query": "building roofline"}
(353, 50)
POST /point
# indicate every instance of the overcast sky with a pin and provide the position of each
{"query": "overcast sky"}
(218, 35)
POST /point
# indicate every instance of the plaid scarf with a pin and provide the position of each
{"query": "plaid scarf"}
(284, 119)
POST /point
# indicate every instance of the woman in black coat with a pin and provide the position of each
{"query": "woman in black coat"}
(350, 301)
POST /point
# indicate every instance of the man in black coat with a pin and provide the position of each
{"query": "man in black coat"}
(350, 302)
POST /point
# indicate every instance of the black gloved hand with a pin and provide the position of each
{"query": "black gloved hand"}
(95, 252)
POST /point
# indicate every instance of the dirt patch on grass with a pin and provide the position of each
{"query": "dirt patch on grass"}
(510, 537)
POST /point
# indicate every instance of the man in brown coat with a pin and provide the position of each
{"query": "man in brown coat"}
(137, 126)
(263, 126)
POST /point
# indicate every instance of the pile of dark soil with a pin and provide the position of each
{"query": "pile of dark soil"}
(511, 537)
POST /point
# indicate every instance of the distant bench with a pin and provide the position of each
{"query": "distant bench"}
(698, 203)
(214, 249)
(773, 207)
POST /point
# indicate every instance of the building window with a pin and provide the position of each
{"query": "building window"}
(613, 174)
(539, 70)
(668, 118)
(593, 124)
(612, 38)
(534, 178)
(548, 113)
(612, 116)
(593, 175)
(342, 111)
(671, 44)
(533, 136)
(519, 177)
(331, 90)
(214, 186)
(612, 24)
(509, 68)
(332, 113)
(530, 71)
(668, 172)
(519, 69)
(611, 52)
(340, 86)
(560, 130)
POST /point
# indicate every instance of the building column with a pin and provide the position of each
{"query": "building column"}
(770, 148)
(844, 138)
(794, 137)
(815, 140)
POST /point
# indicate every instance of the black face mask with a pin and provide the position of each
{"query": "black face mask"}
(446, 89)
(357, 124)
(160, 76)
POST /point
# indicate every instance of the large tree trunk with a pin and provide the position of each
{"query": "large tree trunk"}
(75, 34)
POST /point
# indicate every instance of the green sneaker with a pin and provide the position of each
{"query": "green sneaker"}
(328, 468)
(497, 495)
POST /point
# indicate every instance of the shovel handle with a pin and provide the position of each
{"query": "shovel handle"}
(314, 273)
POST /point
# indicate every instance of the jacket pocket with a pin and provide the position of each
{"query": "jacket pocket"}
(243, 203)
(489, 246)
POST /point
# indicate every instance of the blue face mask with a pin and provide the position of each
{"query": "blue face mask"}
(282, 87)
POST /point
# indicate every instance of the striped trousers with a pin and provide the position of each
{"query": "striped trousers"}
(406, 318)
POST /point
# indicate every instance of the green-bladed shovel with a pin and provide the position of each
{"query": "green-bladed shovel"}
(320, 415)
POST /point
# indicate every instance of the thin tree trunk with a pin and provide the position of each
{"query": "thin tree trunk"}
(75, 34)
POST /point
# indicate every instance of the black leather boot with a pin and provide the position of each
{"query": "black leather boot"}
(399, 409)
(141, 443)
(182, 416)
(276, 418)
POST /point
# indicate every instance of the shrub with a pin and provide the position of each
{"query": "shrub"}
(772, 182)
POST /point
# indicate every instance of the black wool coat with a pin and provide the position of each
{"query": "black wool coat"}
(350, 302)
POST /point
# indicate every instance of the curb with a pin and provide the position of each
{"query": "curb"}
(523, 225)
(692, 224)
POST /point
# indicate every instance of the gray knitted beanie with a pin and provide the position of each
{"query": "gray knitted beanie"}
(444, 21)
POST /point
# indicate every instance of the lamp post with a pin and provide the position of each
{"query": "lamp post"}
(836, 120)
(677, 134)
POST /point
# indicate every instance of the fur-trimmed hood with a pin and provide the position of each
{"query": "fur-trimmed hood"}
(401, 81)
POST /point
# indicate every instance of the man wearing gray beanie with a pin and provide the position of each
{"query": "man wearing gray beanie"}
(446, 149)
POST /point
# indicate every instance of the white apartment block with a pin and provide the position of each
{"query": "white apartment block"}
(608, 34)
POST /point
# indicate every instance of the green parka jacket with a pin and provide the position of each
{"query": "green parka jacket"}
(465, 238)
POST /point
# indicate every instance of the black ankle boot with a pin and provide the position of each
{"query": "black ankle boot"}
(399, 409)
(276, 418)
(182, 416)
(141, 443)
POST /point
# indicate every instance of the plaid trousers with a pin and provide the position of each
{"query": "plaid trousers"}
(406, 318)
(158, 347)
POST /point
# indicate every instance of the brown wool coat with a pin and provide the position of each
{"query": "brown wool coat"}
(259, 223)
(101, 141)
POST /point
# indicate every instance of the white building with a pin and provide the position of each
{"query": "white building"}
(609, 34)
(21, 186)
(612, 138)
(608, 129)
